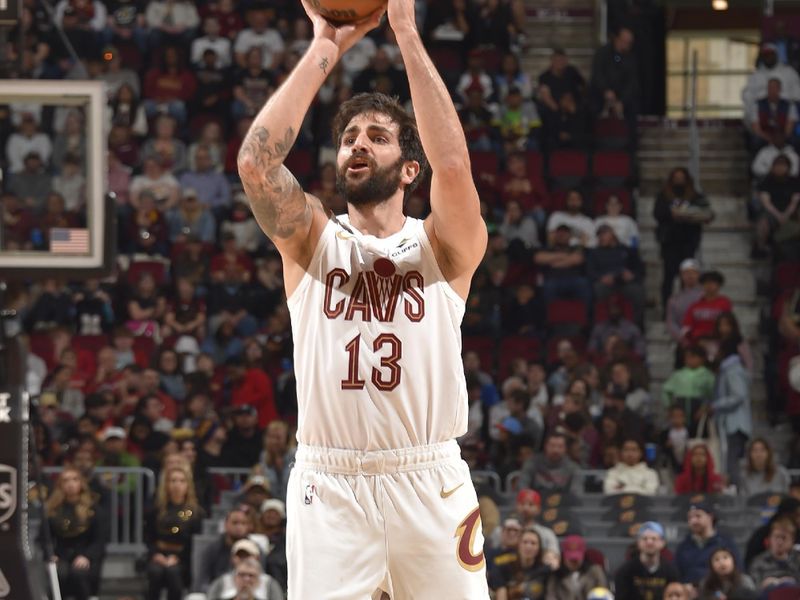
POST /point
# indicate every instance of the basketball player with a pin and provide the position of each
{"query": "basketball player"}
(379, 497)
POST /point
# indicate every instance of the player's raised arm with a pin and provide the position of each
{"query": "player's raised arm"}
(457, 231)
(292, 219)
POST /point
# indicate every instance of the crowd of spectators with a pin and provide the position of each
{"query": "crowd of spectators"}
(181, 360)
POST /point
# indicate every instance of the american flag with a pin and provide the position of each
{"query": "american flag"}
(69, 241)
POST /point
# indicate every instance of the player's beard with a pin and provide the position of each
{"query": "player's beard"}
(378, 187)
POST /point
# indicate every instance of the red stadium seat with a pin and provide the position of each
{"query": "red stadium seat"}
(790, 593)
(300, 162)
(41, 344)
(600, 197)
(484, 163)
(518, 346)
(144, 346)
(567, 168)
(159, 269)
(558, 200)
(535, 164)
(484, 346)
(91, 343)
(612, 165)
(573, 312)
(601, 308)
(611, 134)
(786, 275)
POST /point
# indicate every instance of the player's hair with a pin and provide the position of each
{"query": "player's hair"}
(410, 143)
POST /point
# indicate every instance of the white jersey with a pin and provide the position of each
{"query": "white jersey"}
(377, 343)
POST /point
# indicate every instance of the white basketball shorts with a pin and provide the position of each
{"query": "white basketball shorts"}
(403, 521)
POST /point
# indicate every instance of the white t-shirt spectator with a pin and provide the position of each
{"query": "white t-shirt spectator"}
(625, 228)
(359, 56)
(762, 163)
(177, 14)
(579, 224)
(220, 45)
(19, 146)
(467, 79)
(269, 40)
(524, 230)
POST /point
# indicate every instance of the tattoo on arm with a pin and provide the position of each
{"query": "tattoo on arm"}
(278, 202)
(323, 64)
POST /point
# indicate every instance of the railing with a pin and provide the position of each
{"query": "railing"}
(694, 136)
(128, 488)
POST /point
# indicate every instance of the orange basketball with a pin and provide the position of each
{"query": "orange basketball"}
(346, 11)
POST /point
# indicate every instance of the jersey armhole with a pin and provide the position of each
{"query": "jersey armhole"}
(322, 244)
(427, 248)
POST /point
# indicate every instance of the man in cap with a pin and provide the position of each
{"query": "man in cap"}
(244, 444)
(690, 292)
(644, 576)
(701, 317)
(216, 558)
(255, 492)
(505, 552)
(273, 525)
(576, 577)
(115, 455)
(528, 509)
(693, 553)
(245, 557)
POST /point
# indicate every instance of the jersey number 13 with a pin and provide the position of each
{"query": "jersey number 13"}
(388, 376)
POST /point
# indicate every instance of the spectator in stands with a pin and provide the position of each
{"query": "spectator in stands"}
(255, 492)
(614, 86)
(679, 302)
(568, 126)
(727, 330)
(251, 386)
(147, 231)
(500, 410)
(52, 307)
(779, 565)
(503, 552)
(691, 387)
(70, 184)
(213, 189)
(476, 120)
(674, 439)
(252, 85)
(625, 228)
(526, 577)
(778, 146)
(646, 575)
(17, 222)
(211, 437)
(631, 475)
(568, 363)
(522, 313)
(581, 227)
(212, 40)
(121, 141)
(693, 554)
(261, 33)
(246, 580)
(681, 212)
(185, 314)
(770, 68)
(243, 445)
(562, 268)
(677, 591)
(170, 85)
(698, 475)
(701, 317)
(778, 199)
(191, 217)
(31, 184)
(175, 518)
(551, 471)
(126, 110)
(212, 139)
(165, 147)
(381, 73)
(724, 580)
(789, 508)
(576, 576)
(170, 374)
(761, 473)
(521, 185)
(510, 76)
(273, 526)
(637, 398)
(94, 313)
(277, 457)
(78, 526)
(519, 230)
(146, 307)
(517, 122)
(171, 22)
(55, 215)
(117, 74)
(26, 140)
(159, 182)
(215, 559)
(616, 268)
(616, 325)
(558, 79)
(731, 409)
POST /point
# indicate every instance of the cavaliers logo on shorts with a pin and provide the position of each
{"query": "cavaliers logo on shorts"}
(466, 532)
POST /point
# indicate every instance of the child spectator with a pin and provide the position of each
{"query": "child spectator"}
(675, 438)
(779, 565)
(761, 473)
(691, 386)
(724, 578)
(631, 475)
(700, 317)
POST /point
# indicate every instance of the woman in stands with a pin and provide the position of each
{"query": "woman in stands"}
(172, 522)
(681, 211)
(727, 329)
(760, 473)
(526, 577)
(78, 529)
(724, 578)
(698, 474)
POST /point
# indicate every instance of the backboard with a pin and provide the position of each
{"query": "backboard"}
(79, 242)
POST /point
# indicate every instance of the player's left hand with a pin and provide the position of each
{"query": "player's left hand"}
(402, 16)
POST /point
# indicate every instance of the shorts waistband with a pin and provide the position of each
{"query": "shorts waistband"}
(375, 462)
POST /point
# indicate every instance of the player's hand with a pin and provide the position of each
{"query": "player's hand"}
(402, 16)
(343, 36)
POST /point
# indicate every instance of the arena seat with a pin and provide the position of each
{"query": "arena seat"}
(567, 168)
(612, 167)
(786, 275)
(91, 343)
(517, 346)
(567, 312)
(300, 162)
(601, 308)
(787, 593)
(158, 268)
(611, 134)
(484, 347)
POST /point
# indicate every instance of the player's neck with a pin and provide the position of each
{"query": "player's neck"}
(380, 220)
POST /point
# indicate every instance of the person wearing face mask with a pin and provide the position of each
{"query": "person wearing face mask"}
(680, 211)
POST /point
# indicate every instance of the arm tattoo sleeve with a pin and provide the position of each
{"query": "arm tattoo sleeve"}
(277, 200)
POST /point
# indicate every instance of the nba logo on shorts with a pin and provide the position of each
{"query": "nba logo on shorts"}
(311, 491)
(8, 493)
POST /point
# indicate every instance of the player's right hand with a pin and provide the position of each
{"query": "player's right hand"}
(346, 35)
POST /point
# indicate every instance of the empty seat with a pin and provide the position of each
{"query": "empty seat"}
(612, 167)
(573, 312)
(567, 168)
(518, 346)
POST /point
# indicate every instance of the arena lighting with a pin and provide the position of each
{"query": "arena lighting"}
(719, 4)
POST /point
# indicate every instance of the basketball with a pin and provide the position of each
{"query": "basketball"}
(347, 11)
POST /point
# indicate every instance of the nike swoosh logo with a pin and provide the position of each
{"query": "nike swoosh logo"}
(447, 494)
